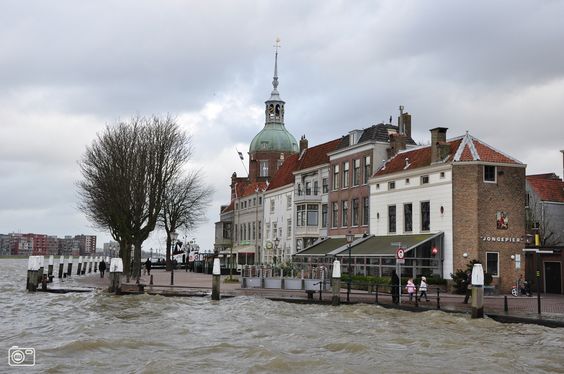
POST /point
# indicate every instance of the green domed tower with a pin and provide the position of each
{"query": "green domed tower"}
(273, 143)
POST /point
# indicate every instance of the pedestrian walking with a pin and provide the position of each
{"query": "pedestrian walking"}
(468, 286)
(423, 289)
(395, 287)
(148, 266)
(102, 267)
(410, 288)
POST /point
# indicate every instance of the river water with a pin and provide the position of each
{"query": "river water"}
(100, 333)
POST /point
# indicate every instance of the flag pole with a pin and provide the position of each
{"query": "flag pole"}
(242, 160)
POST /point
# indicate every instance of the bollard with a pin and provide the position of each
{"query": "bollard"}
(116, 270)
(336, 298)
(96, 260)
(151, 281)
(84, 264)
(34, 265)
(216, 279)
(61, 266)
(90, 264)
(505, 306)
(41, 270)
(376, 300)
(477, 291)
(438, 298)
(50, 268)
(79, 266)
(30, 273)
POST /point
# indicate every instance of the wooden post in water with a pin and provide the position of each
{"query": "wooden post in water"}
(477, 291)
(69, 267)
(90, 260)
(96, 260)
(29, 270)
(50, 268)
(116, 270)
(216, 279)
(79, 266)
(61, 266)
(336, 298)
(40, 271)
(33, 266)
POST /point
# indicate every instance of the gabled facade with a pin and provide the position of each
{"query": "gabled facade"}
(463, 188)
(311, 193)
(350, 167)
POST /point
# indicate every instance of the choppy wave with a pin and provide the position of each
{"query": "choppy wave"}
(98, 332)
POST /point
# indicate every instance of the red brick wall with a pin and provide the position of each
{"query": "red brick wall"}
(475, 204)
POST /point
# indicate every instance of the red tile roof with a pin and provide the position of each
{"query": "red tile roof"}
(229, 207)
(462, 149)
(284, 175)
(311, 157)
(547, 187)
(243, 189)
(317, 155)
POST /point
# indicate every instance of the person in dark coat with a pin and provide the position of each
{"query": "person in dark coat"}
(395, 287)
(468, 287)
(102, 267)
(148, 266)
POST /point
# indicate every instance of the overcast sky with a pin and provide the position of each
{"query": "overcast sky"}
(69, 68)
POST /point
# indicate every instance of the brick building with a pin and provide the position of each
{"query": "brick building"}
(463, 192)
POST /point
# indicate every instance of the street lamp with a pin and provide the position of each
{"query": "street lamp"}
(350, 238)
(173, 235)
(276, 243)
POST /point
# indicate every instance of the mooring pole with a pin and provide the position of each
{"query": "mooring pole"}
(61, 266)
(477, 291)
(216, 279)
(336, 296)
(50, 268)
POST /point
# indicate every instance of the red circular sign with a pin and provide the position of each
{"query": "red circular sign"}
(400, 253)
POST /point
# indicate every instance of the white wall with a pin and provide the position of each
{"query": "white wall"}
(438, 192)
(280, 215)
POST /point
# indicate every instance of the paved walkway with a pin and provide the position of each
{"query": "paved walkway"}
(188, 283)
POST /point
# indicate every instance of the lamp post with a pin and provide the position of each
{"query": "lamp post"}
(350, 238)
(276, 243)
(173, 235)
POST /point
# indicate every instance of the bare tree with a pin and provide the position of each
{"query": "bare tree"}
(125, 172)
(538, 221)
(186, 200)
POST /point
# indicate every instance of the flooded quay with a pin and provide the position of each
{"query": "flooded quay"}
(97, 332)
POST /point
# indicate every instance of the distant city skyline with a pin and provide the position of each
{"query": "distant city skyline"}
(492, 68)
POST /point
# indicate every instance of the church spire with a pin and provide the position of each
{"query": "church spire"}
(275, 105)
(274, 95)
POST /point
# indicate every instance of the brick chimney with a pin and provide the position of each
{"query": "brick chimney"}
(303, 144)
(397, 143)
(439, 146)
(404, 123)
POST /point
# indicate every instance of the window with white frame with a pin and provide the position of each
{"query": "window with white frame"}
(367, 169)
(335, 215)
(365, 211)
(325, 184)
(492, 263)
(345, 213)
(271, 205)
(356, 172)
(355, 212)
(289, 228)
(267, 229)
(300, 215)
(346, 174)
(312, 214)
(335, 177)
(289, 201)
(489, 174)
(324, 215)
(424, 179)
(263, 168)
(408, 217)
(391, 185)
(274, 229)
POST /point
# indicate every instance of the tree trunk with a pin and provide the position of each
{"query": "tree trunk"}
(137, 261)
(168, 255)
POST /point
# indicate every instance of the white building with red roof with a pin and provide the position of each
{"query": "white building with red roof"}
(461, 198)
